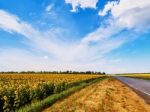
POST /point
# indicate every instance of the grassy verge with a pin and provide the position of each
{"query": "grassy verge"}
(40, 105)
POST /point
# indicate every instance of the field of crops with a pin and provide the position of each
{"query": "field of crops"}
(139, 76)
(17, 90)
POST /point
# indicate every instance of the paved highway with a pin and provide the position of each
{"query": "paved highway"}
(140, 86)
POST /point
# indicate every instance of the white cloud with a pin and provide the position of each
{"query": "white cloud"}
(55, 53)
(107, 8)
(45, 57)
(82, 4)
(21, 60)
(123, 16)
(12, 24)
(39, 40)
(48, 42)
(49, 8)
(87, 53)
(129, 13)
(103, 32)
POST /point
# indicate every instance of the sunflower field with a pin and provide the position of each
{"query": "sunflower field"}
(17, 90)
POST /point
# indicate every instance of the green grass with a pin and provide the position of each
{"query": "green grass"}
(40, 105)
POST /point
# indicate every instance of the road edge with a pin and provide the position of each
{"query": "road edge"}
(143, 95)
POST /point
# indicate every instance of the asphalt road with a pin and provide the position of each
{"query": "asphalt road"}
(140, 86)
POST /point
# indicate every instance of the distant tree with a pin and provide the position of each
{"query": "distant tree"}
(55, 72)
(104, 73)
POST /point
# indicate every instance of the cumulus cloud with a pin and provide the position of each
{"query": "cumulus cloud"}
(123, 16)
(107, 8)
(129, 13)
(82, 4)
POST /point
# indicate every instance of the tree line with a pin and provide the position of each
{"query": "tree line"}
(54, 72)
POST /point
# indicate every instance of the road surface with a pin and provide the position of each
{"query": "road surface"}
(140, 86)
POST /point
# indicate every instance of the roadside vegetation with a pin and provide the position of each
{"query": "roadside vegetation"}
(109, 95)
(40, 105)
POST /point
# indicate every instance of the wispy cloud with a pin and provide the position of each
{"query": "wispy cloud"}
(51, 52)
(49, 7)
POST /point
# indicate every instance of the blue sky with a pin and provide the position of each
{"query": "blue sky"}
(99, 35)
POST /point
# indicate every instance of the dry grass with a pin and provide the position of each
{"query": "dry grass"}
(107, 96)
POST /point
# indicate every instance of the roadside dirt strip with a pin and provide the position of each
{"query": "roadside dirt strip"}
(106, 96)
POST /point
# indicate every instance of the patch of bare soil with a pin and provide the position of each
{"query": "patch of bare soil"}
(106, 96)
